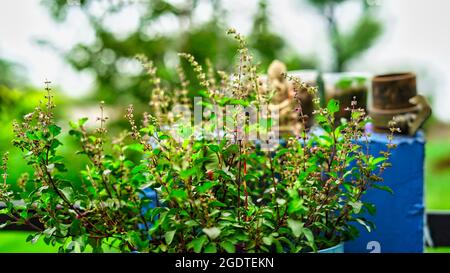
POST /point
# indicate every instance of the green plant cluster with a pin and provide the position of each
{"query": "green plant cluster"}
(222, 195)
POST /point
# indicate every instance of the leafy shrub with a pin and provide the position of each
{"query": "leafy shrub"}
(214, 195)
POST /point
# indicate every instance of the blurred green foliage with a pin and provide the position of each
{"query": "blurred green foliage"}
(15, 242)
(437, 174)
(269, 46)
(352, 43)
(8, 74)
(204, 38)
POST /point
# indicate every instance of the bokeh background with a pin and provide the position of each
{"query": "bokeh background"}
(86, 48)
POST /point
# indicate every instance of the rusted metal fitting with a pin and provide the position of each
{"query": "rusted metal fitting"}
(395, 98)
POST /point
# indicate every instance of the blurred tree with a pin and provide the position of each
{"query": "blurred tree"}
(11, 76)
(10, 73)
(112, 57)
(202, 35)
(351, 44)
(270, 46)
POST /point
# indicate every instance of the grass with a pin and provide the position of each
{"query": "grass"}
(15, 242)
(437, 250)
(437, 180)
(437, 175)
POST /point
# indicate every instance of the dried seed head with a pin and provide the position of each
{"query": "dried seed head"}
(5, 167)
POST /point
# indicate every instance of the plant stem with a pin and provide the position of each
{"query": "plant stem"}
(239, 181)
(275, 186)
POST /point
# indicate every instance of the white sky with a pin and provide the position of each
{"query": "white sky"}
(416, 38)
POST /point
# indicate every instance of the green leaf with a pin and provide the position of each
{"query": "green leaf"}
(32, 136)
(191, 223)
(68, 193)
(383, 188)
(296, 206)
(278, 246)
(54, 129)
(55, 144)
(295, 226)
(239, 102)
(228, 246)
(3, 225)
(309, 235)
(356, 206)
(82, 121)
(214, 148)
(205, 187)
(267, 240)
(217, 203)
(333, 106)
(168, 236)
(24, 214)
(356, 115)
(212, 232)
(73, 125)
(197, 244)
(378, 160)
(138, 179)
(364, 224)
(233, 148)
(75, 133)
(49, 232)
(33, 238)
(371, 209)
(164, 137)
(75, 227)
(74, 247)
(179, 194)
(138, 169)
(57, 158)
(156, 151)
(135, 147)
(211, 248)
(184, 174)
(320, 119)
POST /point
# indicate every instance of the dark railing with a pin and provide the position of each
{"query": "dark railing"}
(439, 228)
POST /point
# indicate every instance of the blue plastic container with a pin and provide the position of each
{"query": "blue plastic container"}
(150, 194)
(335, 249)
(399, 218)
